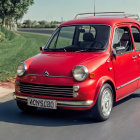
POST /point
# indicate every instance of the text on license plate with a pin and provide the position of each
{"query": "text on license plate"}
(43, 103)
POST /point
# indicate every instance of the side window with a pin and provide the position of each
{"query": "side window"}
(122, 40)
(136, 36)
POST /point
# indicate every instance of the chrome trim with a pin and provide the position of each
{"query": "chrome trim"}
(25, 68)
(110, 68)
(48, 76)
(46, 73)
(75, 94)
(85, 70)
(134, 57)
(64, 103)
(46, 90)
(127, 83)
(103, 14)
(76, 86)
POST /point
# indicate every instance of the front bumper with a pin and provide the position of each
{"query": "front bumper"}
(76, 104)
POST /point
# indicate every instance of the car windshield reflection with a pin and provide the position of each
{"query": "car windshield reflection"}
(79, 38)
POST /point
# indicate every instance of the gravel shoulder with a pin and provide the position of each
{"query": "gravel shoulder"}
(6, 88)
(5, 91)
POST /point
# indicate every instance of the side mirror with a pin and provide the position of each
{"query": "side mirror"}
(42, 48)
(120, 48)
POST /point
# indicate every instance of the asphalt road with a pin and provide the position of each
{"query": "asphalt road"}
(124, 123)
(47, 31)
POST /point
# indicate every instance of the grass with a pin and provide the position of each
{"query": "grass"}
(18, 49)
(8, 35)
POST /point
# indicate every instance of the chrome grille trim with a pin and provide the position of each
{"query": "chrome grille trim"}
(87, 103)
(48, 76)
(46, 90)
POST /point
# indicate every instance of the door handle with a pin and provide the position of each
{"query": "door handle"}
(134, 57)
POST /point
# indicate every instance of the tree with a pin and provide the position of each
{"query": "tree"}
(35, 23)
(12, 10)
(27, 23)
(21, 7)
(42, 23)
(5, 10)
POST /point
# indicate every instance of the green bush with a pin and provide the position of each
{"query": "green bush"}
(2, 37)
(9, 35)
(49, 25)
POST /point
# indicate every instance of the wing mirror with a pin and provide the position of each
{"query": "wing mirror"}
(42, 48)
(120, 48)
(117, 50)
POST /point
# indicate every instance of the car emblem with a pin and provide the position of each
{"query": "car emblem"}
(46, 73)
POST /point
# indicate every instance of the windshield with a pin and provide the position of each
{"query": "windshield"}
(79, 38)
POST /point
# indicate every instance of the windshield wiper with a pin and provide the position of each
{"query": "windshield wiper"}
(56, 50)
(94, 49)
(90, 49)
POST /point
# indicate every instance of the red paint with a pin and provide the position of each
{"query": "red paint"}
(123, 68)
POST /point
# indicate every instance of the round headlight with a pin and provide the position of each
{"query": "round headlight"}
(21, 69)
(80, 73)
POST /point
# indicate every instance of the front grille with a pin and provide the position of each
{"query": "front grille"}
(46, 90)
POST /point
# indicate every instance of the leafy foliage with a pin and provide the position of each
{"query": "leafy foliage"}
(13, 10)
(6, 34)
(21, 7)
(2, 37)
(40, 24)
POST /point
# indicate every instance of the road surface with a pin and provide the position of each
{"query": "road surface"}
(47, 31)
(124, 123)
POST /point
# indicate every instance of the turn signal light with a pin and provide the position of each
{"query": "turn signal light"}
(91, 75)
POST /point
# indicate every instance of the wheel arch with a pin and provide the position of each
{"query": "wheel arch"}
(101, 82)
(113, 88)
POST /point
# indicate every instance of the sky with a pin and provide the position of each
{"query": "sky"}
(59, 10)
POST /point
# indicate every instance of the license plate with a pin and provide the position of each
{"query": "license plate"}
(43, 103)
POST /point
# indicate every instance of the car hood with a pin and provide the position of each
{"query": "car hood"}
(61, 64)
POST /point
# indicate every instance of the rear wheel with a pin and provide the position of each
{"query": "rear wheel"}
(104, 103)
(24, 107)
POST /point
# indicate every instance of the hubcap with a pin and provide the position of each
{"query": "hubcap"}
(106, 102)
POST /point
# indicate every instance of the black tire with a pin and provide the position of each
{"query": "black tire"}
(97, 111)
(24, 107)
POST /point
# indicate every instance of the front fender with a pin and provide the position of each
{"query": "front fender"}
(101, 82)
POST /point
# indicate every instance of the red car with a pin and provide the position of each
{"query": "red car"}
(88, 64)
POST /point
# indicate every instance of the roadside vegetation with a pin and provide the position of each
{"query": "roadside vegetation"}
(5, 34)
(12, 10)
(15, 48)
(38, 24)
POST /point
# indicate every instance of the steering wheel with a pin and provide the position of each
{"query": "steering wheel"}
(97, 45)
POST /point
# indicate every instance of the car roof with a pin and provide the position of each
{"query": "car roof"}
(107, 20)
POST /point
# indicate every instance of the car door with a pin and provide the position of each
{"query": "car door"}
(125, 62)
(135, 29)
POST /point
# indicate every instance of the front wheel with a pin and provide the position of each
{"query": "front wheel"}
(104, 103)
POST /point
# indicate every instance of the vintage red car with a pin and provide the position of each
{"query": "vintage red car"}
(88, 64)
